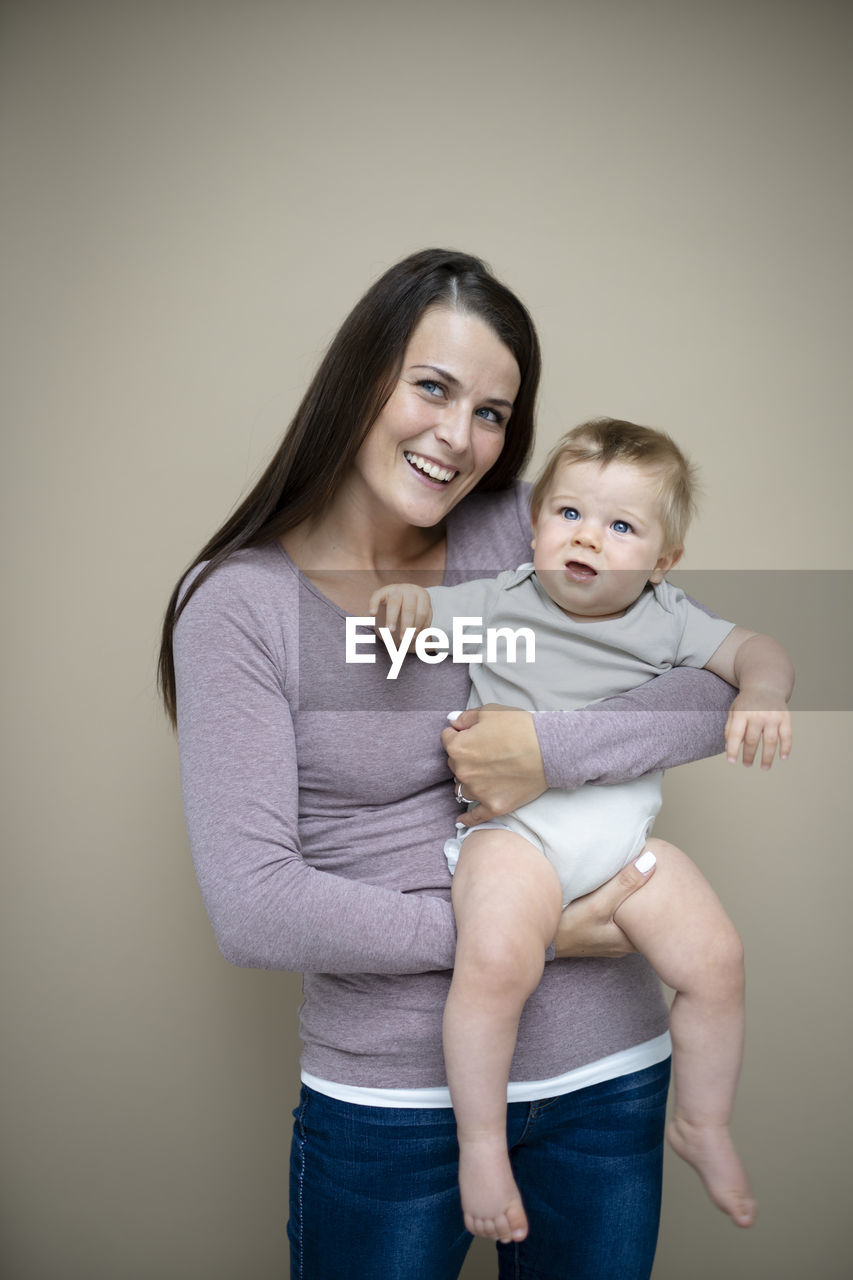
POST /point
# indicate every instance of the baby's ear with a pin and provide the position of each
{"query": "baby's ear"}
(666, 562)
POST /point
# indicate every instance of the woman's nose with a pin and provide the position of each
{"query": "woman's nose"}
(454, 428)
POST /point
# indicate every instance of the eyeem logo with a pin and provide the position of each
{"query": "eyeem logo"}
(434, 645)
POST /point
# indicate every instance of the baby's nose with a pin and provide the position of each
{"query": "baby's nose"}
(587, 535)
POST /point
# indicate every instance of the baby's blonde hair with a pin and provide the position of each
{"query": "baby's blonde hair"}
(606, 440)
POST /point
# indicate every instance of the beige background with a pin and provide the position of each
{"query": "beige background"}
(194, 194)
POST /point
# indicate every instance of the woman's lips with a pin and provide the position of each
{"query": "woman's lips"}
(580, 572)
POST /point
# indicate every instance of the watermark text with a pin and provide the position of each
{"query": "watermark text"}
(465, 643)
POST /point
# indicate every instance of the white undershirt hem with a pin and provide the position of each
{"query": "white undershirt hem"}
(637, 1058)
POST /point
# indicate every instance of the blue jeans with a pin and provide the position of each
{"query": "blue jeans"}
(373, 1191)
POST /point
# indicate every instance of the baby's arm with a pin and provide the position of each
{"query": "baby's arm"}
(762, 670)
(401, 607)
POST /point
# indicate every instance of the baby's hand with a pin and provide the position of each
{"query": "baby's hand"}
(757, 713)
(399, 606)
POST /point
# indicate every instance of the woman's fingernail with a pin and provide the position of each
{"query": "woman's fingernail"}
(645, 862)
(453, 715)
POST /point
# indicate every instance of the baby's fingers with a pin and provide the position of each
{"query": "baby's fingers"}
(747, 728)
(423, 615)
(771, 741)
(777, 732)
(751, 739)
(408, 611)
(393, 602)
(415, 608)
(735, 729)
(384, 606)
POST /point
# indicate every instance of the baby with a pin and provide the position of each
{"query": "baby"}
(609, 511)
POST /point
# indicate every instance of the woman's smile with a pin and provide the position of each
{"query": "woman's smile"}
(429, 469)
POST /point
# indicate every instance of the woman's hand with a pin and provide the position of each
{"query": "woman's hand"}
(494, 755)
(587, 927)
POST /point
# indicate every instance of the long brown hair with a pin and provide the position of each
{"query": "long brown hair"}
(347, 394)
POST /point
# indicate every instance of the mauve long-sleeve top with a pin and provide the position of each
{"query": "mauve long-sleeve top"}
(318, 799)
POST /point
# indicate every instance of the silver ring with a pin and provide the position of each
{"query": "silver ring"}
(460, 799)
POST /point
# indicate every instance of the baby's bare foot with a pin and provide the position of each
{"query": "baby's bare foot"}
(491, 1203)
(711, 1152)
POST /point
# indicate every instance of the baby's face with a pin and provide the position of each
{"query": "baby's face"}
(598, 538)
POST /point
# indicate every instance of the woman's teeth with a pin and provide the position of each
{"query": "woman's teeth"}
(431, 469)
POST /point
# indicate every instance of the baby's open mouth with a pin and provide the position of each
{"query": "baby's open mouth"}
(442, 474)
(581, 572)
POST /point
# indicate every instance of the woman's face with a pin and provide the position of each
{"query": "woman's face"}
(443, 426)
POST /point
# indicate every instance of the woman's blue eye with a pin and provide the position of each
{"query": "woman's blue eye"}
(490, 415)
(430, 386)
(621, 526)
(570, 513)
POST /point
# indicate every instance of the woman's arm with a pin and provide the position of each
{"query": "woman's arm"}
(674, 719)
(268, 907)
(505, 757)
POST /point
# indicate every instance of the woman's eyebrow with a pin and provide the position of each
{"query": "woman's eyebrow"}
(452, 381)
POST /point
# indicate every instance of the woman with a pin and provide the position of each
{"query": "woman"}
(317, 812)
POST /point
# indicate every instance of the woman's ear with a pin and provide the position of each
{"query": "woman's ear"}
(666, 562)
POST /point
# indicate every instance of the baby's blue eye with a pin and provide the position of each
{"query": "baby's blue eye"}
(570, 513)
(621, 526)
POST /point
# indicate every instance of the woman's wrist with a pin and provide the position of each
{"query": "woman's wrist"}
(493, 752)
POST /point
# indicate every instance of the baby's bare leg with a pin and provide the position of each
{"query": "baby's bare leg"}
(679, 925)
(507, 901)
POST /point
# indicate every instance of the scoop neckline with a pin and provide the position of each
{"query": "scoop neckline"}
(343, 613)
